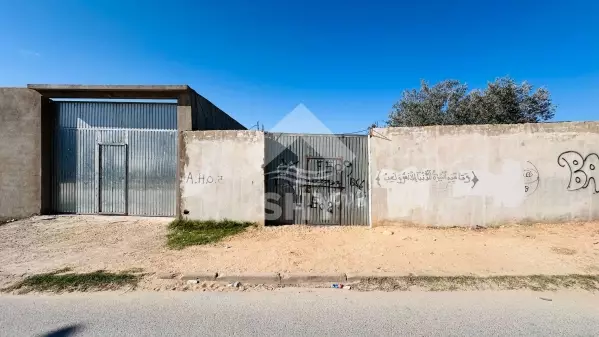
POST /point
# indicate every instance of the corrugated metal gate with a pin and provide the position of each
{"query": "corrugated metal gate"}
(316, 179)
(115, 158)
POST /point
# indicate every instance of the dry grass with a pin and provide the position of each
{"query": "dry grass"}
(563, 251)
(455, 283)
(62, 280)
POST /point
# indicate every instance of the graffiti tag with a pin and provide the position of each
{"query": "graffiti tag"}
(203, 179)
(583, 170)
(430, 175)
(531, 178)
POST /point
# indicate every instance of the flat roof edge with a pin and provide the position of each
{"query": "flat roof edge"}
(108, 87)
(109, 91)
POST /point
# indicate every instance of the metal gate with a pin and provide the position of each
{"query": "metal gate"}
(115, 158)
(316, 179)
(113, 178)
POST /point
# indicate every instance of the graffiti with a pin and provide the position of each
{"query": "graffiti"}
(531, 178)
(331, 167)
(429, 175)
(318, 202)
(349, 167)
(203, 179)
(322, 183)
(582, 170)
(315, 188)
(327, 167)
(322, 172)
(325, 201)
(359, 184)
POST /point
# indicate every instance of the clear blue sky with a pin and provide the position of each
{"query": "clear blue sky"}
(347, 61)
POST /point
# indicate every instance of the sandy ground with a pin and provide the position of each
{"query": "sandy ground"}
(88, 243)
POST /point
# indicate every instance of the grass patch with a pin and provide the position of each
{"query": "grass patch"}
(563, 251)
(183, 232)
(62, 280)
(453, 283)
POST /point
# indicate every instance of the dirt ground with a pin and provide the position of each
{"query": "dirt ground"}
(89, 243)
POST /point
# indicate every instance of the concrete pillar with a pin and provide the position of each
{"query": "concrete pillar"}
(20, 153)
(184, 123)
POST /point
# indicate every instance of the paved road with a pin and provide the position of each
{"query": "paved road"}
(303, 312)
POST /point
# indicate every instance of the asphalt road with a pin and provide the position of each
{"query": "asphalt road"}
(302, 312)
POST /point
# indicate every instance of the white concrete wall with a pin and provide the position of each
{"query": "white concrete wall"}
(222, 175)
(485, 174)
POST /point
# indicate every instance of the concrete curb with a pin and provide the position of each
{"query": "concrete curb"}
(166, 276)
(199, 276)
(357, 277)
(251, 278)
(301, 278)
(283, 279)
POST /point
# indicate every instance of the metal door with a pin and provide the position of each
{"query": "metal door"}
(316, 179)
(112, 178)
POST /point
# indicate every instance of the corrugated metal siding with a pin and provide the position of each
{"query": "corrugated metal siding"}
(117, 115)
(113, 178)
(317, 179)
(152, 173)
(148, 130)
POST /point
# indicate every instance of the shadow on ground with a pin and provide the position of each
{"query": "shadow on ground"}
(64, 332)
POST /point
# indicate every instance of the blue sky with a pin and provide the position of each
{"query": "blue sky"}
(347, 61)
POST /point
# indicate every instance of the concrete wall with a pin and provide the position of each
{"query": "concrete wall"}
(485, 174)
(207, 116)
(222, 175)
(20, 153)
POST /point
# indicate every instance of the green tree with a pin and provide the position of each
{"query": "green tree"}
(449, 103)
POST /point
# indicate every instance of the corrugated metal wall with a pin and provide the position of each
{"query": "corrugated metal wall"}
(316, 179)
(148, 134)
(113, 178)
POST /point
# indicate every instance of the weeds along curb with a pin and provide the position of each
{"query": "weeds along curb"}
(66, 280)
(267, 278)
(303, 278)
(394, 281)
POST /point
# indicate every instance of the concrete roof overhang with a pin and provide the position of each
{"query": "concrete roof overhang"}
(110, 91)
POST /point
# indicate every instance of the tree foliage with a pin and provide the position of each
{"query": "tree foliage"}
(449, 103)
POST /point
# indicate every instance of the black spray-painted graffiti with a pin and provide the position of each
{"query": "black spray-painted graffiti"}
(430, 175)
(328, 172)
(324, 183)
(332, 166)
(583, 170)
(203, 179)
(359, 184)
(325, 201)
(321, 173)
(531, 178)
